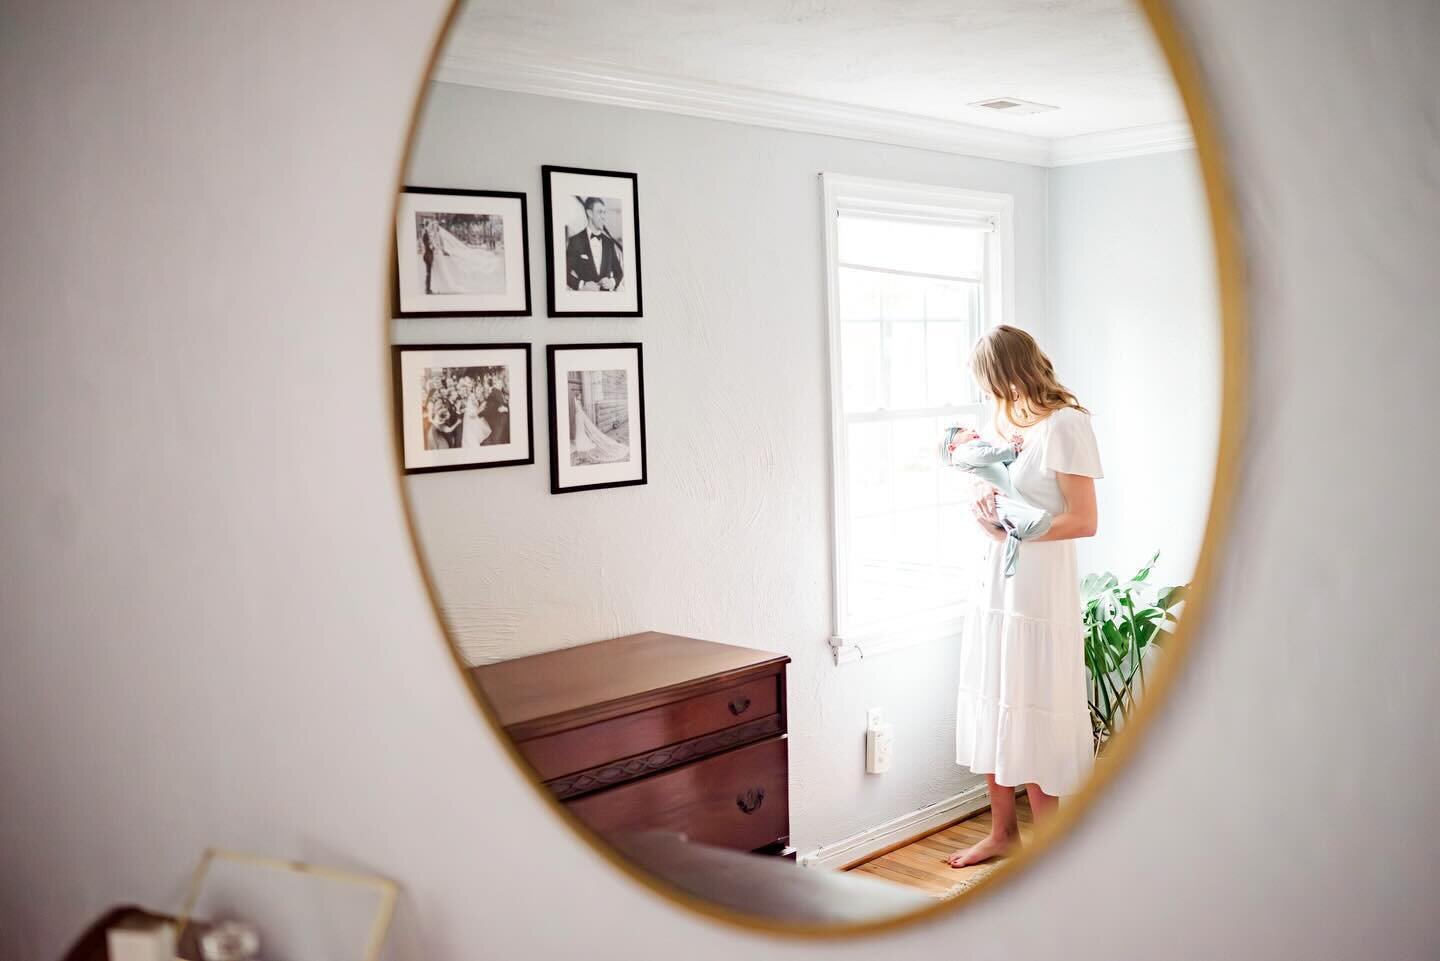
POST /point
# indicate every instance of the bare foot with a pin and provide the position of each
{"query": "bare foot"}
(992, 847)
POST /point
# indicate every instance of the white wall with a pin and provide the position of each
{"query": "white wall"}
(1131, 327)
(212, 630)
(730, 540)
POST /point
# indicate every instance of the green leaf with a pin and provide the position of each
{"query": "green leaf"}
(1149, 566)
(1171, 596)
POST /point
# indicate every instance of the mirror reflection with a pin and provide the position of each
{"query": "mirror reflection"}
(809, 414)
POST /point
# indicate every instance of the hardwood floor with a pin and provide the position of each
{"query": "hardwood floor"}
(921, 864)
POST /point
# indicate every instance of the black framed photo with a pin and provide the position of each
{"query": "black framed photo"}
(592, 242)
(463, 406)
(461, 253)
(597, 416)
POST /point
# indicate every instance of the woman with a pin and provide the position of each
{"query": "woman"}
(474, 429)
(1021, 713)
(591, 445)
(439, 435)
(580, 441)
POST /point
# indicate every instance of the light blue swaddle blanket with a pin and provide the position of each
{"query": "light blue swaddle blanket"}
(991, 463)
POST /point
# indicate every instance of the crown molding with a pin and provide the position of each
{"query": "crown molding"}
(1127, 142)
(469, 62)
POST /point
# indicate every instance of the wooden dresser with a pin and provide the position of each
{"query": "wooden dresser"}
(655, 732)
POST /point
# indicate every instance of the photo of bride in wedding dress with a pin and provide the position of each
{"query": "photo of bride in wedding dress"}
(460, 253)
(599, 417)
(465, 407)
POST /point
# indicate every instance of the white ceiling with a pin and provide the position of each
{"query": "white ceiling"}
(1094, 59)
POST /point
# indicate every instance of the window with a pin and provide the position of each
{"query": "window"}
(915, 274)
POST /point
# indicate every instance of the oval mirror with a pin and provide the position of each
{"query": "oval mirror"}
(812, 418)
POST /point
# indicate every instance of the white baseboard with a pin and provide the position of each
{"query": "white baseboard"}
(932, 817)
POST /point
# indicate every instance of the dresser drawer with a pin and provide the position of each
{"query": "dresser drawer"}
(606, 742)
(739, 799)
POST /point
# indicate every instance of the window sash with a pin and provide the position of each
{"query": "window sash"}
(853, 197)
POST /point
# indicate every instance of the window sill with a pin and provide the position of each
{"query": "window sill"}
(875, 641)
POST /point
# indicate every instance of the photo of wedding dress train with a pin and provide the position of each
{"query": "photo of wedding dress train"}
(459, 268)
(591, 445)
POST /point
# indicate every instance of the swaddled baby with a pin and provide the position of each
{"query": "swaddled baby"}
(962, 447)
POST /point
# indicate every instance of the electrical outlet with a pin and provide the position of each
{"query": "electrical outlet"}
(873, 719)
(879, 749)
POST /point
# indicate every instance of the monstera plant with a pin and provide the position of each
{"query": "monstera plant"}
(1122, 621)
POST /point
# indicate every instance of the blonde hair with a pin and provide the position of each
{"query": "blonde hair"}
(1011, 367)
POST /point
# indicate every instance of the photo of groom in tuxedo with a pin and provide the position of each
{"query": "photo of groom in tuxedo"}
(594, 256)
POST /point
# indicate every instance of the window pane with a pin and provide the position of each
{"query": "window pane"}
(868, 294)
(860, 359)
(860, 294)
(917, 247)
(961, 549)
(916, 458)
(916, 536)
(949, 301)
(871, 567)
(902, 298)
(947, 356)
(907, 363)
(871, 486)
(908, 366)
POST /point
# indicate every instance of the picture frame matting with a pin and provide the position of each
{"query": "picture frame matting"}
(478, 267)
(576, 273)
(429, 378)
(592, 387)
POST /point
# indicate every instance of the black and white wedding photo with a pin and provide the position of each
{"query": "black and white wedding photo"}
(461, 253)
(597, 416)
(592, 243)
(594, 250)
(464, 406)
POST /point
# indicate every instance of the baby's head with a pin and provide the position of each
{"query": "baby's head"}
(964, 435)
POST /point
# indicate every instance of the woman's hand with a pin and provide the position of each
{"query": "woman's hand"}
(984, 510)
(984, 506)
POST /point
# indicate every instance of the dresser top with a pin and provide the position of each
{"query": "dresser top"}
(558, 682)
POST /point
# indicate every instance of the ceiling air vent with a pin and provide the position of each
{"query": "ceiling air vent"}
(1013, 105)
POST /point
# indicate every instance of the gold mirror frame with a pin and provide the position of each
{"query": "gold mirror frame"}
(1124, 746)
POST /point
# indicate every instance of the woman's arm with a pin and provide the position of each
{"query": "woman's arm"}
(1080, 516)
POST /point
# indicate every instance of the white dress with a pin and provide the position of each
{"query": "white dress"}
(473, 429)
(1021, 711)
(591, 439)
(581, 442)
(458, 268)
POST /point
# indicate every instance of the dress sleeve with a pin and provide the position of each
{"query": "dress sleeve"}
(1070, 446)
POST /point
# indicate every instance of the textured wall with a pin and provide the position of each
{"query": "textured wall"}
(1131, 321)
(730, 540)
(213, 629)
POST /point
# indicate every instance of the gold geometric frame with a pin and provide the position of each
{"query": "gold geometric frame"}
(389, 890)
(1122, 749)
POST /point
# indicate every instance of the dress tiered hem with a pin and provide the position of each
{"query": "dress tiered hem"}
(1001, 727)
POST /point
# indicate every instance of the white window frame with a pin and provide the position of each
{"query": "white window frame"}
(852, 642)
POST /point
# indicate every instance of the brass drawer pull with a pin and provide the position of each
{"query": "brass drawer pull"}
(750, 801)
(738, 706)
